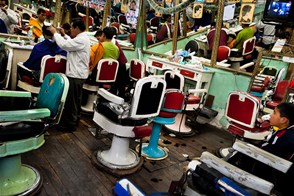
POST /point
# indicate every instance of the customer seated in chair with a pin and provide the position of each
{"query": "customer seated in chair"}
(279, 143)
(46, 47)
(246, 33)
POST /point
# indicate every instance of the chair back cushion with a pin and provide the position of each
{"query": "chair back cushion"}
(137, 69)
(281, 90)
(172, 103)
(51, 93)
(147, 97)
(107, 70)
(223, 53)
(174, 80)
(242, 108)
(52, 64)
(248, 46)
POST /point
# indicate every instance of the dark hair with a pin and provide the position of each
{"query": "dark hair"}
(6, 2)
(166, 16)
(41, 11)
(287, 110)
(98, 33)
(108, 32)
(77, 22)
(197, 7)
(45, 31)
(213, 24)
(66, 26)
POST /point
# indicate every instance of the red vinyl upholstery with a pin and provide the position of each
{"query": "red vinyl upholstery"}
(223, 53)
(172, 104)
(278, 95)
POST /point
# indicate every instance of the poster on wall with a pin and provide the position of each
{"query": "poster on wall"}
(246, 13)
(197, 10)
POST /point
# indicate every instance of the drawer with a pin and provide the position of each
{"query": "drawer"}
(187, 73)
(157, 64)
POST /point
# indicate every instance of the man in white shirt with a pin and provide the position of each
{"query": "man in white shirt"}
(8, 16)
(77, 70)
(268, 34)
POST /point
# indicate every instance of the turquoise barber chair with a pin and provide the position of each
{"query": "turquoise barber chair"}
(172, 105)
(23, 130)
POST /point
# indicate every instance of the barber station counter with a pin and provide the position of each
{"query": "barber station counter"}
(19, 54)
(201, 78)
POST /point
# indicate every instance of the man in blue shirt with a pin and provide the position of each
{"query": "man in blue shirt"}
(46, 47)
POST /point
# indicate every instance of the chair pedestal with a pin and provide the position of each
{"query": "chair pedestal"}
(92, 96)
(89, 105)
(16, 178)
(119, 156)
(152, 151)
(179, 127)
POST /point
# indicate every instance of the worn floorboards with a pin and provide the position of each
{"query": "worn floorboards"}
(64, 161)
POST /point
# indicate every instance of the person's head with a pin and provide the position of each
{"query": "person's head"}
(108, 33)
(197, 8)
(283, 117)
(166, 17)
(66, 27)
(41, 13)
(46, 33)
(133, 5)
(3, 3)
(213, 24)
(245, 25)
(77, 27)
(99, 36)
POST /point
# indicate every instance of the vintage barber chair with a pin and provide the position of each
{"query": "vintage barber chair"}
(192, 103)
(137, 71)
(242, 111)
(248, 48)
(124, 26)
(106, 75)
(172, 104)
(23, 130)
(223, 54)
(275, 97)
(49, 64)
(127, 121)
(214, 176)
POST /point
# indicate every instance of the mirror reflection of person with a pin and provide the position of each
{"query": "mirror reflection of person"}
(8, 17)
(165, 31)
(246, 14)
(133, 5)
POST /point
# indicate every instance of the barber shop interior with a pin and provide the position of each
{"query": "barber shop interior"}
(147, 97)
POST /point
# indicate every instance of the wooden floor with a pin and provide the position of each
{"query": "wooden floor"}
(64, 161)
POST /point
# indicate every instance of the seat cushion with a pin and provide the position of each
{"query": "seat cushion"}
(21, 130)
(272, 104)
(257, 88)
(192, 99)
(117, 114)
(240, 129)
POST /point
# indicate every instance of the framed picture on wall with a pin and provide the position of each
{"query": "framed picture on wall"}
(211, 1)
(197, 10)
(246, 13)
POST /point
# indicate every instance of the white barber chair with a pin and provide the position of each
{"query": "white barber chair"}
(126, 121)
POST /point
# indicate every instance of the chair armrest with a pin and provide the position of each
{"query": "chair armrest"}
(5, 93)
(20, 115)
(237, 174)
(234, 50)
(110, 97)
(20, 65)
(247, 65)
(197, 91)
(262, 156)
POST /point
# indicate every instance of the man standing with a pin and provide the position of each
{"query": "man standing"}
(8, 17)
(77, 70)
(37, 24)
